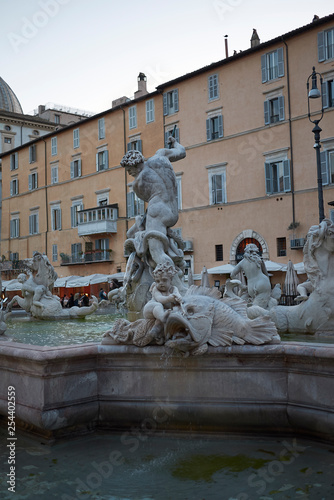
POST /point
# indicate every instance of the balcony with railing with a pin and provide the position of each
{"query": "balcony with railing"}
(99, 220)
(86, 257)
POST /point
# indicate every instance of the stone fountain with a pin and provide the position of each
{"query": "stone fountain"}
(189, 359)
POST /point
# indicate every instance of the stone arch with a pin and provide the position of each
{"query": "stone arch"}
(248, 233)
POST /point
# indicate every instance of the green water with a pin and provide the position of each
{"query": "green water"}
(56, 333)
(142, 466)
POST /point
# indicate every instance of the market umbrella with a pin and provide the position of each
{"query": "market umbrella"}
(291, 280)
(223, 269)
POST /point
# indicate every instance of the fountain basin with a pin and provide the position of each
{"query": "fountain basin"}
(68, 390)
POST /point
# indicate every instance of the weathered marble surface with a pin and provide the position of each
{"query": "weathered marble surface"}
(315, 313)
(282, 388)
(37, 297)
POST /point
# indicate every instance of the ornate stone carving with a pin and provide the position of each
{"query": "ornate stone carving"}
(36, 290)
(314, 313)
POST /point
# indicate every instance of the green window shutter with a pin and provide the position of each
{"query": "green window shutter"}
(165, 104)
(140, 146)
(176, 100)
(220, 126)
(264, 68)
(324, 92)
(208, 129)
(266, 112)
(281, 108)
(268, 177)
(324, 167)
(321, 46)
(128, 146)
(286, 173)
(72, 169)
(280, 59)
(30, 182)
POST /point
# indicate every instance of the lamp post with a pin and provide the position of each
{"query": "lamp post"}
(315, 93)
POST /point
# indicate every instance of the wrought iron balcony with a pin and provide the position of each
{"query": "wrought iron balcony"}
(86, 258)
(99, 220)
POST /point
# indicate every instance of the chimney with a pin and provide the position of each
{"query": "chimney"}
(226, 46)
(255, 40)
(41, 109)
(141, 79)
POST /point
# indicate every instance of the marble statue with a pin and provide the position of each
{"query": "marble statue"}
(189, 324)
(151, 240)
(258, 282)
(37, 298)
(315, 312)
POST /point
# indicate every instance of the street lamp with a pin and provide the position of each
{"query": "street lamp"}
(315, 93)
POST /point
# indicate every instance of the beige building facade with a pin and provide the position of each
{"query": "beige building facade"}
(250, 172)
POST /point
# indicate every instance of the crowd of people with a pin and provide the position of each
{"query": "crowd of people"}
(84, 300)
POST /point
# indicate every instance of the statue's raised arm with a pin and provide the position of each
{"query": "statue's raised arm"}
(175, 151)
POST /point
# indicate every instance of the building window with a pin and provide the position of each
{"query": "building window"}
(102, 160)
(76, 138)
(33, 181)
(32, 153)
(33, 223)
(14, 187)
(36, 132)
(136, 206)
(219, 252)
(75, 168)
(277, 176)
(7, 140)
(217, 185)
(8, 128)
(171, 102)
(272, 65)
(170, 131)
(102, 132)
(54, 174)
(54, 253)
(214, 127)
(55, 218)
(133, 117)
(136, 145)
(54, 146)
(213, 88)
(101, 249)
(76, 206)
(57, 122)
(327, 167)
(15, 228)
(328, 94)
(76, 252)
(14, 256)
(281, 247)
(14, 161)
(179, 191)
(150, 111)
(326, 45)
(274, 110)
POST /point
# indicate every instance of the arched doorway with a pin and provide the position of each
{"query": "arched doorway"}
(242, 245)
(239, 243)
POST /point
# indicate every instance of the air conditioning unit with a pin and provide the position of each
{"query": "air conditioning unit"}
(297, 243)
(188, 246)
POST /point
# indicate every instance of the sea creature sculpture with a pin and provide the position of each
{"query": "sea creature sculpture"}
(37, 298)
(202, 319)
(314, 314)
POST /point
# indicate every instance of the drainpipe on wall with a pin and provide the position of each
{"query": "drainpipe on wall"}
(290, 133)
(125, 174)
(46, 200)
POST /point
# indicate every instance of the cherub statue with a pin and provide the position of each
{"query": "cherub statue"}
(164, 297)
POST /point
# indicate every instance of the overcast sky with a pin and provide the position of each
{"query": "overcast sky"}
(85, 53)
